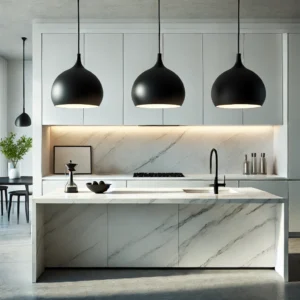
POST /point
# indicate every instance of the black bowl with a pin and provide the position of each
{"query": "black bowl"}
(98, 188)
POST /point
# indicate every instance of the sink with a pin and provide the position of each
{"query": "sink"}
(222, 191)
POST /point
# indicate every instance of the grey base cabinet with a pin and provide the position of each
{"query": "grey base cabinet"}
(294, 206)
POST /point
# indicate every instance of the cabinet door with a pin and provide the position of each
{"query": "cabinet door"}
(219, 55)
(263, 55)
(183, 55)
(174, 183)
(50, 186)
(140, 54)
(104, 58)
(294, 206)
(278, 188)
(58, 54)
(294, 107)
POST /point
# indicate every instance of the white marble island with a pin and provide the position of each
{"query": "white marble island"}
(151, 228)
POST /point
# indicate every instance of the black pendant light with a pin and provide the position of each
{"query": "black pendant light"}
(158, 87)
(23, 120)
(77, 87)
(238, 87)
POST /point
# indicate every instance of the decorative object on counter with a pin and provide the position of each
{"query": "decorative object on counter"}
(77, 87)
(14, 151)
(263, 164)
(23, 120)
(142, 174)
(216, 181)
(253, 164)
(238, 87)
(81, 154)
(246, 169)
(158, 87)
(96, 188)
(71, 186)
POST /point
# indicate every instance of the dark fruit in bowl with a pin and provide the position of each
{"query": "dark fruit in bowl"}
(101, 182)
(95, 183)
(98, 188)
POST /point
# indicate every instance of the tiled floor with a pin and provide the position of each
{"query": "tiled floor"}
(15, 278)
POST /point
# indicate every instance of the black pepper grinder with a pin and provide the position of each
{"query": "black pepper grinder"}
(71, 187)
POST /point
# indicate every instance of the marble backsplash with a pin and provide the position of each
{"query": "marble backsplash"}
(124, 150)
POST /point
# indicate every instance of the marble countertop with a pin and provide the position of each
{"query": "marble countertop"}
(204, 177)
(160, 196)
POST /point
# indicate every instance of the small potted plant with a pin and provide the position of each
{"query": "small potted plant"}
(14, 151)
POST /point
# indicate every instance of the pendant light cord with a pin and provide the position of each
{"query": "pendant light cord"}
(78, 23)
(24, 39)
(238, 27)
(159, 29)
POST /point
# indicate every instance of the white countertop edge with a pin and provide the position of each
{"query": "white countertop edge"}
(204, 177)
(158, 196)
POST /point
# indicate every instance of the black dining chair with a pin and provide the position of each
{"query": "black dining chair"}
(19, 194)
(3, 189)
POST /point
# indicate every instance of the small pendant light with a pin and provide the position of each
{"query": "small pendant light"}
(158, 87)
(77, 87)
(23, 120)
(238, 87)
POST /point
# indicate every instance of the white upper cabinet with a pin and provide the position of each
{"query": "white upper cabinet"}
(263, 55)
(183, 55)
(59, 53)
(219, 55)
(140, 54)
(104, 58)
(294, 106)
(117, 59)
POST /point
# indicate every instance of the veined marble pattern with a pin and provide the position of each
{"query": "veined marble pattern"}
(75, 235)
(38, 231)
(243, 235)
(124, 150)
(143, 236)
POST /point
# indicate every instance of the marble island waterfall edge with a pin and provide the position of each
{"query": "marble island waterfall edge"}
(207, 235)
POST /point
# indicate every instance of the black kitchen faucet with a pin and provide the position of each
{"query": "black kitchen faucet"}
(216, 182)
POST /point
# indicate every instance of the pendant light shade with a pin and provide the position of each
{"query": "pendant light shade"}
(77, 87)
(158, 87)
(238, 87)
(23, 120)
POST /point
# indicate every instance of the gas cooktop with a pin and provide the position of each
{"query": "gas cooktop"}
(158, 175)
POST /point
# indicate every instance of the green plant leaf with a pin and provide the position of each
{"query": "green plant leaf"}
(15, 150)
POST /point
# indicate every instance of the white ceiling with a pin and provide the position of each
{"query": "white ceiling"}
(16, 15)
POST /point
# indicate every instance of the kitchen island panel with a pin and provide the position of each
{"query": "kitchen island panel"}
(227, 236)
(38, 233)
(240, 227)
(143, 235)
(75, 235)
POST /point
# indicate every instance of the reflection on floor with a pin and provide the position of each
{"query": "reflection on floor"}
(15, 278)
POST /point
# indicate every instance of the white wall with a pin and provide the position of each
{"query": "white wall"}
(15, 104)
(3, 110)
